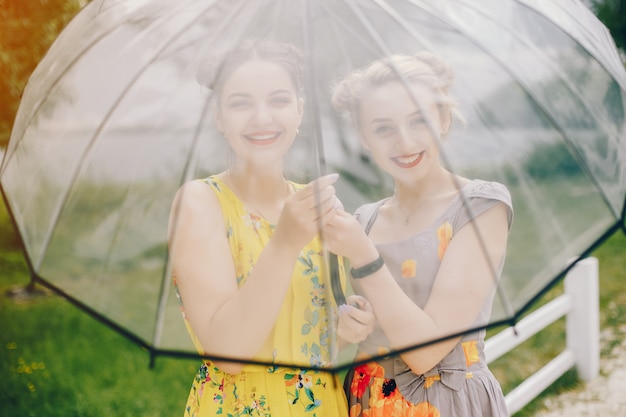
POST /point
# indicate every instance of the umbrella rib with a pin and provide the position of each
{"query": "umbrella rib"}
(163, 290)
(93, 312)
(623, 221)
(167, 269)
(188, 170)
(329, 265)
(619, 78)
(334, 21)
(545, 111)
(355, 35)
(537, 101)
(382, 45)
(383, 5)
(35, 110)
(55, 83)
(573, 149)
(187, 174)
(65, 195)
(34, 266)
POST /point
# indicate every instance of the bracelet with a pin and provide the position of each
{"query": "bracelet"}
(367, 269)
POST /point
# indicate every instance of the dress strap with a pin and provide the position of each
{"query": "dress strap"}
(373, 214)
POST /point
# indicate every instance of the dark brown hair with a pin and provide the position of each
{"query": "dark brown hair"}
(215, 70)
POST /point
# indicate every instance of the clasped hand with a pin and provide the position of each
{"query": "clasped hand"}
(356, 319)
(305, 210)
(316, 204)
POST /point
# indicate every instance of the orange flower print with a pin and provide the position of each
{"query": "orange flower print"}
(299, 380)
(360, 382)
(391, 403)
(444, 233)
(471, 352)
(430, 380)
(424, 409)
(355, 410)
(252, 220)
(382, 350)
(306, 381)
(291, 379)
(408, 268)
(363, 375)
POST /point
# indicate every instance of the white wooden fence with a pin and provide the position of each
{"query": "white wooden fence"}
(580, 305)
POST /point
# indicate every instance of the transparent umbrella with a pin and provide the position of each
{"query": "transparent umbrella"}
(113, 121)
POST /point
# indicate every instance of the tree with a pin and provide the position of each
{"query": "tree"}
(28, 28)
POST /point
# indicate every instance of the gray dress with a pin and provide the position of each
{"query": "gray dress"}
(461, 385)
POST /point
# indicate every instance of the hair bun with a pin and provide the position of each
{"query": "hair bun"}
(216, 66)
(441, 69)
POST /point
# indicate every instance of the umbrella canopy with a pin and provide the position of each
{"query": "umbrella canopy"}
(113, 121)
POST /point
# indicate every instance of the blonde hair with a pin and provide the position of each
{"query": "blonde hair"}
(424, 68)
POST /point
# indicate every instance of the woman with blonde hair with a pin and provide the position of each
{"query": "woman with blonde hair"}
(427, 258)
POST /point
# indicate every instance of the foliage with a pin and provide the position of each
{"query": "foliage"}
(28, 29)
(551, 160)
(613, 14)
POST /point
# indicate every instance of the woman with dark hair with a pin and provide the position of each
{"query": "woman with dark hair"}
(246, 253)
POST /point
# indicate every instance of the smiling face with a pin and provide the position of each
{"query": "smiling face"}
(395, 130)
(259, 111)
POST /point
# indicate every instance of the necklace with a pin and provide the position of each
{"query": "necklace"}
(407, 215)
(246, 202)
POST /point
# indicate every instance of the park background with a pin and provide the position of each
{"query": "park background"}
(55, 360)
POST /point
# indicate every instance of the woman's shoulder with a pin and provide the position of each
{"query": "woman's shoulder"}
(198, 192)
(194, 207)
(485, 194)
(492, 190)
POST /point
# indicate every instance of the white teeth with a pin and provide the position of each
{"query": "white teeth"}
(407, 159)
(262, 137)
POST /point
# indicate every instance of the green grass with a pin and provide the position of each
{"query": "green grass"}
(56, 360)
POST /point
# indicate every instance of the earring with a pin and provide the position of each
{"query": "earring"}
(297, 130)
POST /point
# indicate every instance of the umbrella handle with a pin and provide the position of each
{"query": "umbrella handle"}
(335, 282)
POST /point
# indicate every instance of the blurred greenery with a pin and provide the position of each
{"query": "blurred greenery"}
(28, 29)
(551, 160)
(613, 14)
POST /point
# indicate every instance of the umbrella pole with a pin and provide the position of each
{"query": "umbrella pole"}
(334, 290)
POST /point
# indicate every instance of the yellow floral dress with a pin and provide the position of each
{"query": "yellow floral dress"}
(461, 385)
(300, 336)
